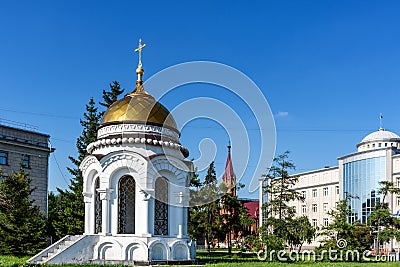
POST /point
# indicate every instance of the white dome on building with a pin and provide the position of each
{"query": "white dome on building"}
(381, 135)
(379, 139)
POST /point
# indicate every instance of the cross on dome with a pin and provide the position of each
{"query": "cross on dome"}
(139, 49)
(139, 70)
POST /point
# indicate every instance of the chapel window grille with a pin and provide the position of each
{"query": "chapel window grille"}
(97, 208)
(161, 207)
(126, 205)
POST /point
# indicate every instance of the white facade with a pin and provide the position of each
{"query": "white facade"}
(145, 160)
(135, 188)
(359, 174)
(320, 190)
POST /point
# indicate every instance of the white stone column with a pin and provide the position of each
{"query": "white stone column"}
(87, 198)
(144, 212)
(105, 206)
(180, 212)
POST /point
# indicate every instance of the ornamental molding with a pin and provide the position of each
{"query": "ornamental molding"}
(85, 164)
(119, 157)
(169, 163)
(177, 167)
(129, 128)
(106, 142)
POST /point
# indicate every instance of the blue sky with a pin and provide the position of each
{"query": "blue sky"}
(327, 68)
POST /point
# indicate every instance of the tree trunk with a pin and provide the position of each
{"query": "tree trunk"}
(300, 246)
(229, 241)
(208, 244)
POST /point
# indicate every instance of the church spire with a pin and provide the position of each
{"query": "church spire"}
(229, 177)
(139, 71)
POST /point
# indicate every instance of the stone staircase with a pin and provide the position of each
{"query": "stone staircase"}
(58, 247)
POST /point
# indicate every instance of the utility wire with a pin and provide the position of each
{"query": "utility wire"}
(39, 114)
(58, 166)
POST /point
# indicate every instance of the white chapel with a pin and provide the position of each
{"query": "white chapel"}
(135, 189)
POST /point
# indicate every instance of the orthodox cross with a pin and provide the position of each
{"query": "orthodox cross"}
(139, 49)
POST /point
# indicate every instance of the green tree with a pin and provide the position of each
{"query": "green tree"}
(22, 225)
(195, 231)
(275, 232)
(299, 232)
(54, 209)
(111, 96)
(234, 217)
(205, 214)
(211, 211)
(280, 189)
(67, 207)
(385, 225)
(356, 235)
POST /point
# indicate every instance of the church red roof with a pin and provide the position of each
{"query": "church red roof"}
(252, 209)
(229, 177)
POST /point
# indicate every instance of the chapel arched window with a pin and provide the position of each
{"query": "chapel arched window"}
(126, 205)
(97, 207)
(161, 207)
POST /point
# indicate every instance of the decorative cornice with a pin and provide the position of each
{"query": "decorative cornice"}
(116, 158)
(87, 163)
(144, 141)
(132, 128)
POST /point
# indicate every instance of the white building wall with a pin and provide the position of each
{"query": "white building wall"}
(321, 195)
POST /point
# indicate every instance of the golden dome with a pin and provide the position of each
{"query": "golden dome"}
(139, 106)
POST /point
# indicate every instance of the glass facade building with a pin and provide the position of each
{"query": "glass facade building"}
(360, 180)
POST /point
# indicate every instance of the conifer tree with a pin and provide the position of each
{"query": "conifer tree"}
(205, 217)
(69, 209)
(386, 226)
(278, 213)
(234, 218)
(194, 231)
(356, 235)
(22, 224)
(111, 96)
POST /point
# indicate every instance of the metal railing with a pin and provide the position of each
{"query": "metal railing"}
(17, 124)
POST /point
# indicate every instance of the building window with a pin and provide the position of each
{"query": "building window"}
(379, 145)
(314, 223)
(304, 209)
(304, 194)
(398, 181)
(161, 207)
(126, 205)
(3, 158)
(360, 179)
(337, 190)
(314, 193)
(325, 191)
(326, 222)
(398, 201)
(385, 144)
(97, 208)
(26, 161)
(314, 207)
(373, 145)
(325, 207)
(294, 209)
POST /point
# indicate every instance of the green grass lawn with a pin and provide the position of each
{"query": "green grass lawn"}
(222, 259)
(310, 264)
(7, 261)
